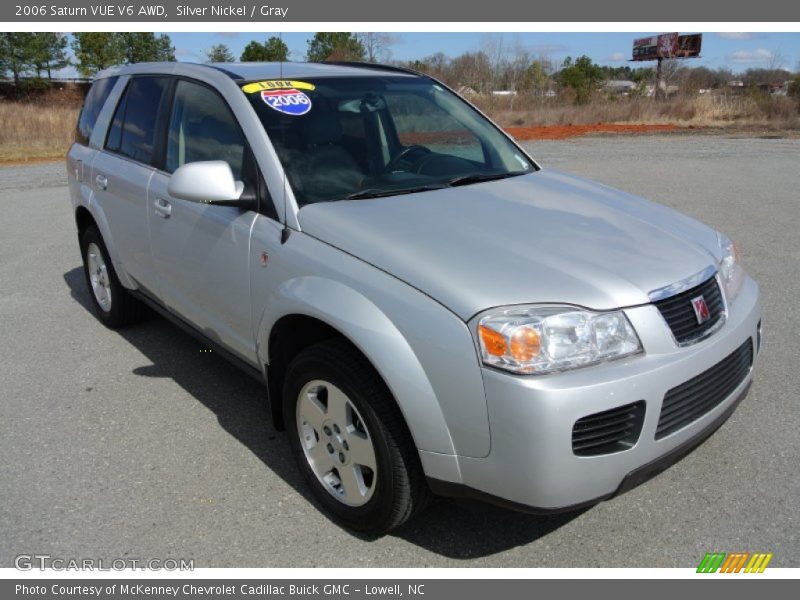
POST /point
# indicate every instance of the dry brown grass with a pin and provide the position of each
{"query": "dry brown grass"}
(771, 112)
(35, 131)
(44, 130)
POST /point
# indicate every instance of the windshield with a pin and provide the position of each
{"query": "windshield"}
(363, 137)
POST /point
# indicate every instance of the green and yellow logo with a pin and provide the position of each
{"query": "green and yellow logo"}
(734, 562)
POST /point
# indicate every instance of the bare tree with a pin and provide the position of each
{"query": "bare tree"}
(474, 70)
(775, 66)
(669, 74)
(517, 63)
(377, 46)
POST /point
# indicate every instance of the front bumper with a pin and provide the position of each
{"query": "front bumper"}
(531, 463)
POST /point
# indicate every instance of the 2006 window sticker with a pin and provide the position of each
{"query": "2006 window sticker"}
(285, 96)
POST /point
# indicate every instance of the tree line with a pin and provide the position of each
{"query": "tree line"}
(577, 79)
(26, 55)
(494, 66)
(324, 46)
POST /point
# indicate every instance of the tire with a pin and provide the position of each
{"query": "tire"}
(118, 307)
(386, 496)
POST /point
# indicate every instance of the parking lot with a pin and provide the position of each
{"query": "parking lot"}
(134, 444)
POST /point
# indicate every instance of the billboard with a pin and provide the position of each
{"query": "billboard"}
(667, 45)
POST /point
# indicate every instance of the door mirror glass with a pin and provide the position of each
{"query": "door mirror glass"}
(209, 181)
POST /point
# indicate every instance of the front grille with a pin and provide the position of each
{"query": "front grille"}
(691, 400)
(609, 431)
(679, 313)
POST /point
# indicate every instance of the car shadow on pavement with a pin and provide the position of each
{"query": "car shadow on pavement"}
(455, 529)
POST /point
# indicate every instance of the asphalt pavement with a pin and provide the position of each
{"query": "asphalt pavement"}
(135, 444)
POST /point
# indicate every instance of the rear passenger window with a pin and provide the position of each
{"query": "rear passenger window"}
(92, 105)
(202, 127)
(133, 131)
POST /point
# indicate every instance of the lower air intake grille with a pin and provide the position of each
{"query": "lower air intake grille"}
(691, 400)
(609, 431)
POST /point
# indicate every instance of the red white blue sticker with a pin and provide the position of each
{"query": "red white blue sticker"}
(288, 101)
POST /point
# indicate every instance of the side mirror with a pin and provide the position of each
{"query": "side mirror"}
(207, 182)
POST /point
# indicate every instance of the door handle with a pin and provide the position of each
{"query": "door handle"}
(101, 181)
(163, 208)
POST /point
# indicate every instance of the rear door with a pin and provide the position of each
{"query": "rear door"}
(122, 170)
(201, 251)
(81, 155)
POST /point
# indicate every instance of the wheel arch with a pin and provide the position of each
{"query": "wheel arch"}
(311, 309)
(91, 215)
(83, 220)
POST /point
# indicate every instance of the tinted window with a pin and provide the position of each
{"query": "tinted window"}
(92, 105)
(114, 136)
(202, 127)
(418, 120)
(133, 131)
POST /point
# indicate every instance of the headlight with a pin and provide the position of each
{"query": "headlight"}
(730, 271)
(539, 340)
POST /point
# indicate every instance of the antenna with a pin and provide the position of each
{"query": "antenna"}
(286, 231)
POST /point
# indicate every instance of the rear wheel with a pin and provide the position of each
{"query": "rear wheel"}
(350, 439)
(112, 303)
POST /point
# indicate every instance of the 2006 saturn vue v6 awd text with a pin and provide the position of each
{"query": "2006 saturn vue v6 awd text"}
(431, 311)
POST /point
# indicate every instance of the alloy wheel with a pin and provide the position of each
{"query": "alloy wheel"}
(336, 443)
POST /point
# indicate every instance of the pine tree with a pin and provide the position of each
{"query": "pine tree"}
(327, 45)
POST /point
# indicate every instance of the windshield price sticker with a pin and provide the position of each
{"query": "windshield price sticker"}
(289, 102)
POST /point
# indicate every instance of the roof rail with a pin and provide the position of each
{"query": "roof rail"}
(217, 66)
(375, 66)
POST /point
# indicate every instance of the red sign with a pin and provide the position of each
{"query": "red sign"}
(667, 45)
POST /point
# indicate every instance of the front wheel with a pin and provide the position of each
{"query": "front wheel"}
(350, 440)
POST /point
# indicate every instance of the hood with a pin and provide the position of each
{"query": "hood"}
(545, 237)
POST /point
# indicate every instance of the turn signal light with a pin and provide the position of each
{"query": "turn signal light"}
(493, 342)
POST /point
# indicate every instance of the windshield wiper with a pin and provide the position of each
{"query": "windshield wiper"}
(479, 177)
(379, 193)
(456, 181)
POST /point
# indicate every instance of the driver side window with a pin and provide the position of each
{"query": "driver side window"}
(202, 127)
(419, 121)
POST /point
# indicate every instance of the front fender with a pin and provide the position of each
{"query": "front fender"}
(376, 336)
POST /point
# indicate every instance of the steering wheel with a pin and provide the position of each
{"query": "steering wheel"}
(390, 166)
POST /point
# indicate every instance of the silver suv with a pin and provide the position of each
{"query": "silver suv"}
(430, 310)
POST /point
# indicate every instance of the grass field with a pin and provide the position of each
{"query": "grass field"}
(735, 111)
(35, 131)
(38, 131)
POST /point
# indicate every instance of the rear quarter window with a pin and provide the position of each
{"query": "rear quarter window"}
(92, 105)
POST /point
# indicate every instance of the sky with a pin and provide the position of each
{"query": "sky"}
(735, 51)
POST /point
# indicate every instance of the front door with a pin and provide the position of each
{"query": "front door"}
(201, 251)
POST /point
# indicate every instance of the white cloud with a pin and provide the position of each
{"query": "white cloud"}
(759, 55)
(733, 35)
(187, 54)
(548, 48)
(617, 57)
